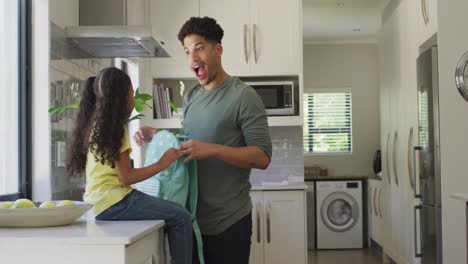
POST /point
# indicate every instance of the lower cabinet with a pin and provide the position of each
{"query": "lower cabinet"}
(278, 227)
(88, 245)
(375, 211)
(152, 249)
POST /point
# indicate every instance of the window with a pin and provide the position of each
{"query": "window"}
(327, 122)
(14, 102)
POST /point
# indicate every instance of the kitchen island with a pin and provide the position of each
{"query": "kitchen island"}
(86, 241)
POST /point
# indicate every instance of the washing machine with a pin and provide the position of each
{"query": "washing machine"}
(339, 214)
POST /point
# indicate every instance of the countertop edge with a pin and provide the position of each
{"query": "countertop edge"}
(117, 240)
(291, 186)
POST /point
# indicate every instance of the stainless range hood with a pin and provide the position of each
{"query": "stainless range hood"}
(104, 33)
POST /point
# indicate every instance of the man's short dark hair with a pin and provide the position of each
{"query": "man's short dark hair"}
(206, 27)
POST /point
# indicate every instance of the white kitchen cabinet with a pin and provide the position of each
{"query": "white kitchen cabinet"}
(259, 40)
(167, 17)
(278, 227)
(256, 248)
(276, 37)
(375, 211)
(64, 12)
(399, 44)
(426, 19)
(87, 241)
(234, 18)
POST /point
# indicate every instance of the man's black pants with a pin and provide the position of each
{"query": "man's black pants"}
(230, 247)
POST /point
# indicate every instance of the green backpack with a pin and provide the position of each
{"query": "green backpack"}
(178, 183)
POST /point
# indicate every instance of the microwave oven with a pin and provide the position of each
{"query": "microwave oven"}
(278, 96)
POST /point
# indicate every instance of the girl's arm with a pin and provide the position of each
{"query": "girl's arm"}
(129, 175)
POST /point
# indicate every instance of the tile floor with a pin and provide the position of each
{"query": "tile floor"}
(364, 256)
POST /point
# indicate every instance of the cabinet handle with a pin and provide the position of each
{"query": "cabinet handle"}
(255, 42)
(416, 254)
(388, 162)
(375, 203)
(258, 212)
(246, 54)
(395, 166)
(380, 202)
(268, 223)
(460, 78)
(424, 12)
(415, 149)
(410, 162)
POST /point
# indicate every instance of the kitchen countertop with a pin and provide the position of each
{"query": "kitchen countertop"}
(278, 187)
(86, 230)
(342, 177)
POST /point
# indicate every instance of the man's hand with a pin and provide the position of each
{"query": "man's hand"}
(169, 157)
(196, 150)
(144, 135)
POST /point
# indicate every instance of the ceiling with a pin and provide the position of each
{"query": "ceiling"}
(342, 20)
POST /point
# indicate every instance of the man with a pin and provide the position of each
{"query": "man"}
(227, 124)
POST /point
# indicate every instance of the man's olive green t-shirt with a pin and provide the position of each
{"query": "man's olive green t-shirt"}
(231, 114)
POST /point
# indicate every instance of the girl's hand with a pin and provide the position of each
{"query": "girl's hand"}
(144, 135)
(169, 157)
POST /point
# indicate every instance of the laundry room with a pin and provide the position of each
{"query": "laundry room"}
(341, 127)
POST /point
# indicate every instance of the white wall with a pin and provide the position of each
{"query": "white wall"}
(352, 66)
(453, 129)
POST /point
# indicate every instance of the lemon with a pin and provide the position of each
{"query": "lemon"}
(23, 203)
(47, 204)
(65, 203)
(6, 205)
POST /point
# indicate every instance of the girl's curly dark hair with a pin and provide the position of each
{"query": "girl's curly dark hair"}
(102, 116)
(206, 27)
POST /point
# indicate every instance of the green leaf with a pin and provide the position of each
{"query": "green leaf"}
(174, 107)
(139, 105)
(144, 97)
(59, 109)
(135, 117)
(137, 92)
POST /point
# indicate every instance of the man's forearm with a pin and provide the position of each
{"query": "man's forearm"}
(243, 157)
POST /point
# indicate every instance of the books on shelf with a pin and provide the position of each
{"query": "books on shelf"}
(161, 97)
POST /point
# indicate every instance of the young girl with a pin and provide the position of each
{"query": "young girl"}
(101, 147)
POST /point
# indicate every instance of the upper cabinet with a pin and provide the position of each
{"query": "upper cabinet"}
(64, 12)
(277, 37)
(234, 18)
(427, 19)
(167, 17)
(257, 41)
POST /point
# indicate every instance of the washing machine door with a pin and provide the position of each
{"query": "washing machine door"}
(339, 211)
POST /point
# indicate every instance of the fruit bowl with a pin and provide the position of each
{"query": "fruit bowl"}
(42, 217)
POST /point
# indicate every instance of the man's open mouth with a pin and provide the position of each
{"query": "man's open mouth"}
(199, 71)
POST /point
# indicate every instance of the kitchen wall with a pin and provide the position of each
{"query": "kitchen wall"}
(287, 157)
(69, 69)
(352, 66)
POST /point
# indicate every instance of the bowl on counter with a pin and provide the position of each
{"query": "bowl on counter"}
(42, 217)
